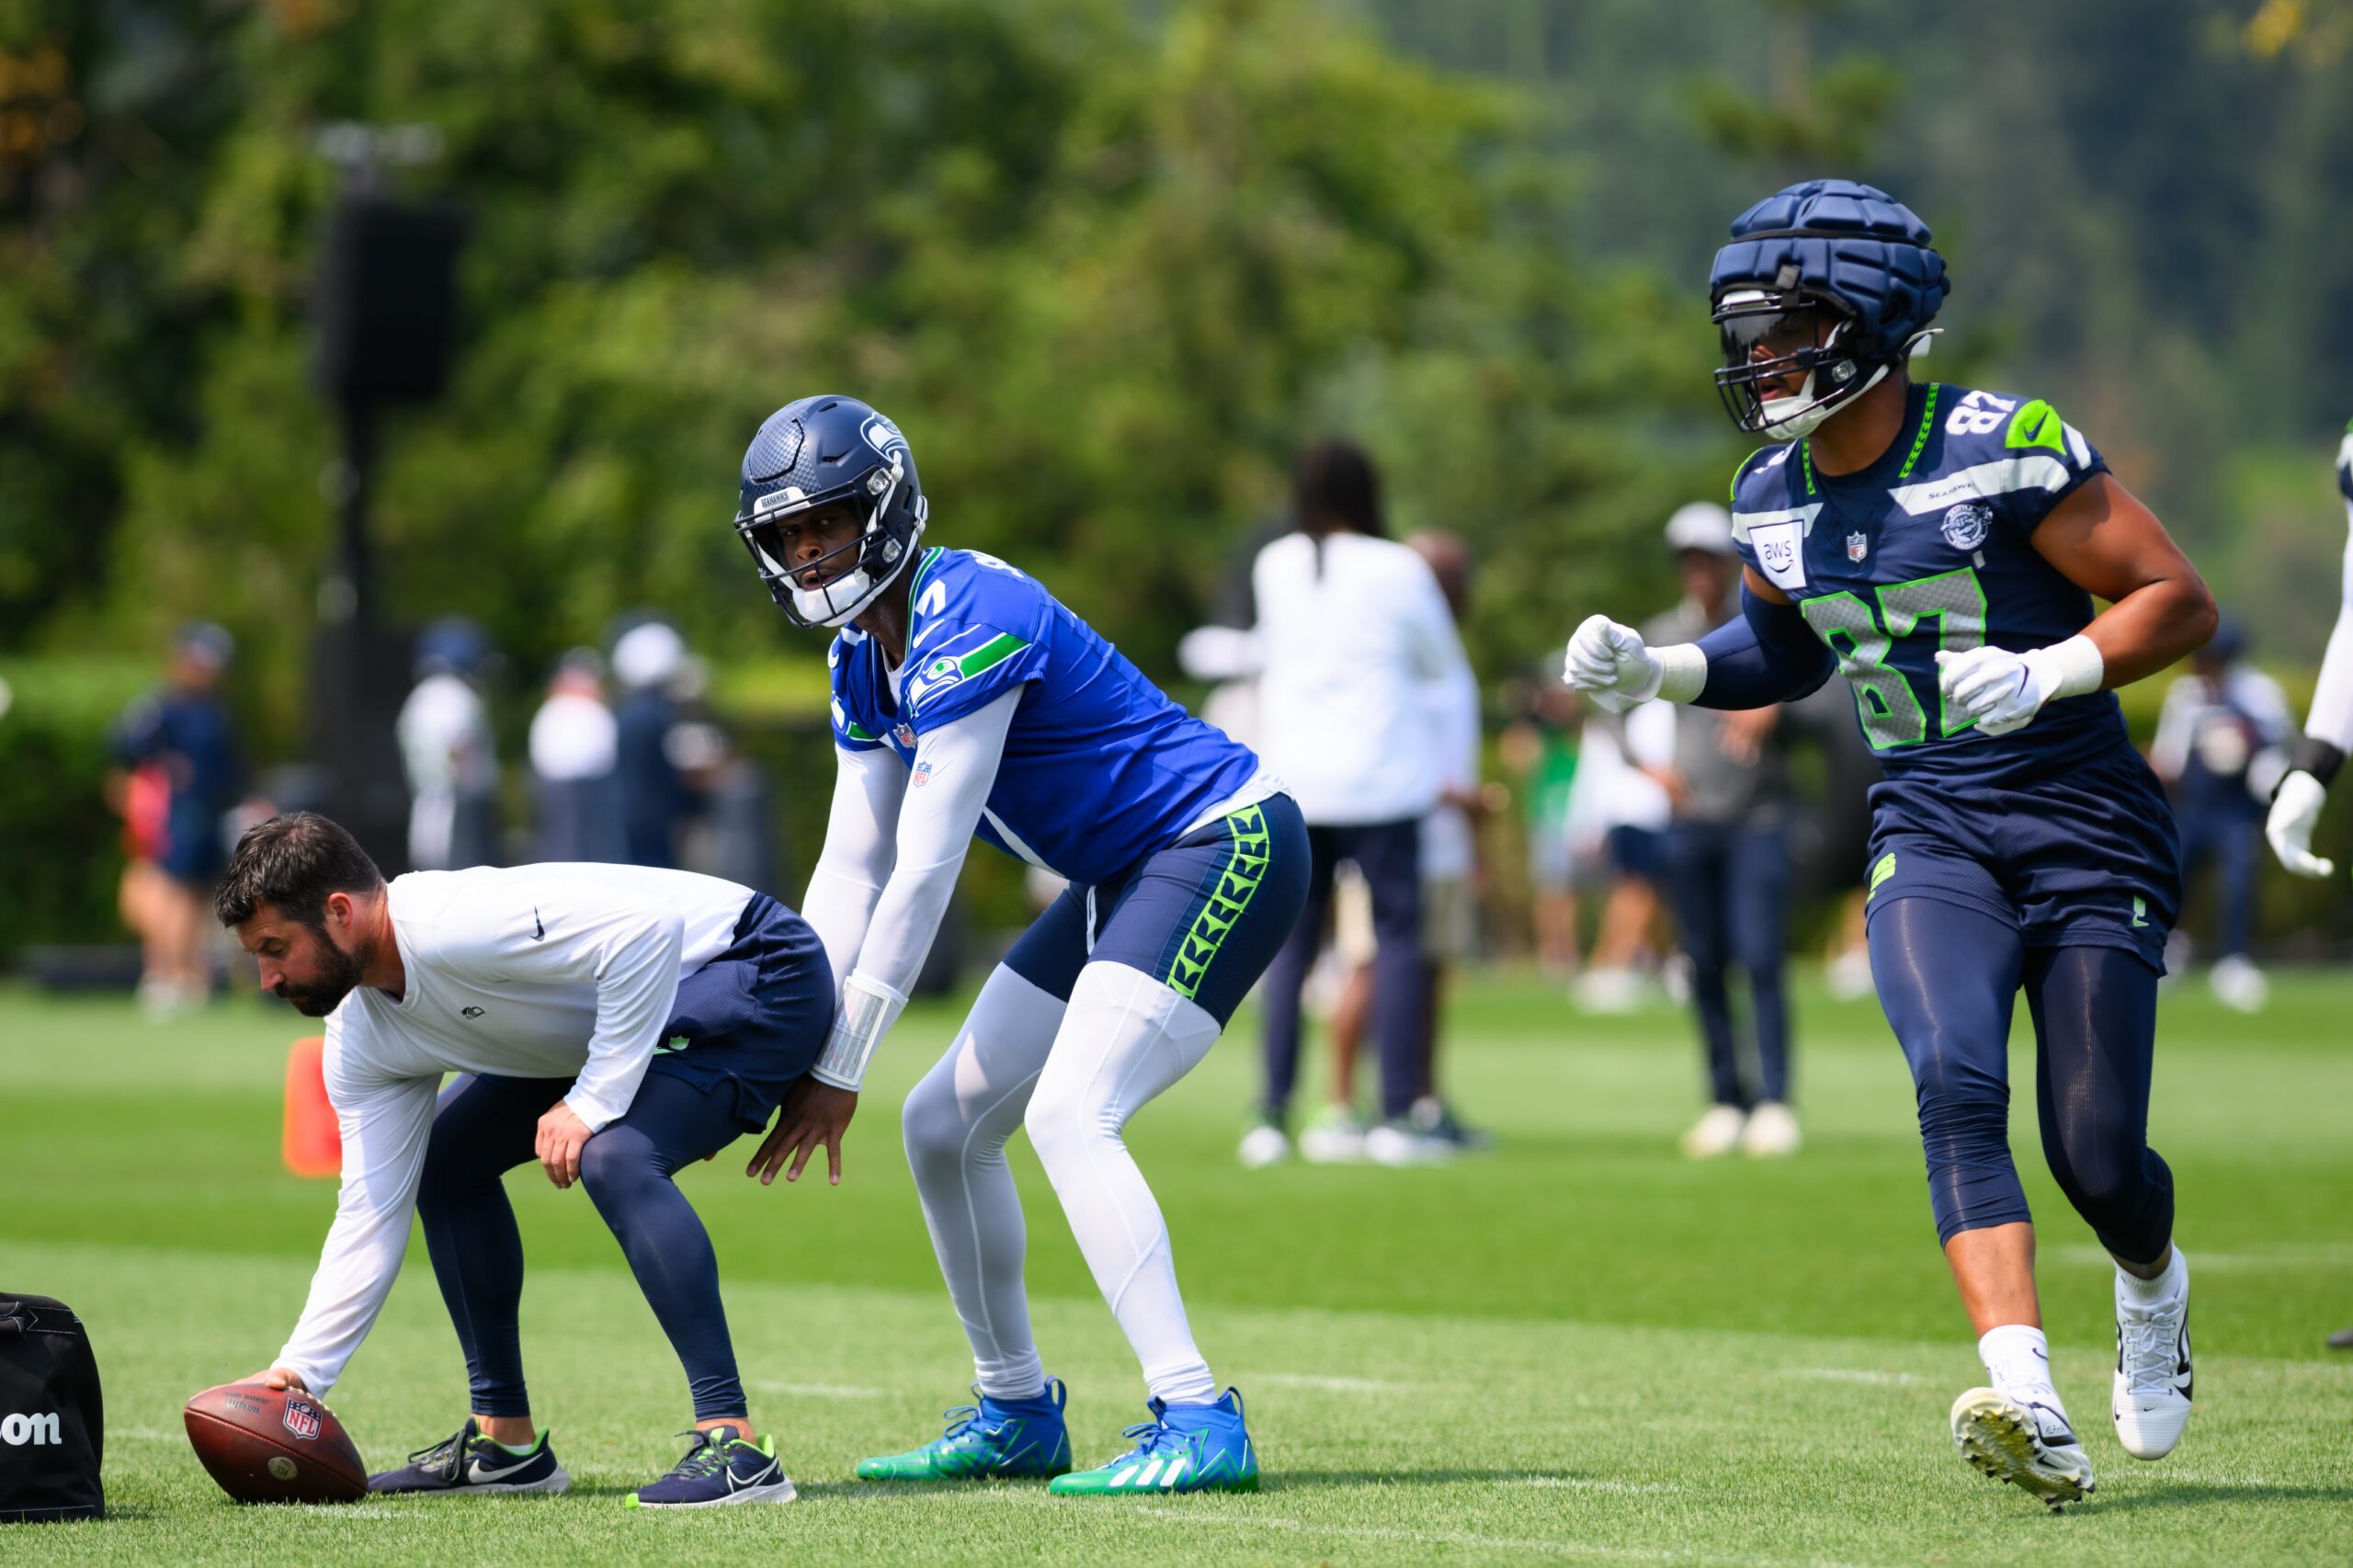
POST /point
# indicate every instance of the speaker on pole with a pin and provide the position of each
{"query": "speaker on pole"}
(388, 301)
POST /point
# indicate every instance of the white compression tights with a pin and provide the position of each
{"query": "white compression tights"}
(1072, 1075)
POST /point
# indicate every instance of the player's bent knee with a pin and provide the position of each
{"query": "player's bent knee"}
(931, 1124)
(615, 1160)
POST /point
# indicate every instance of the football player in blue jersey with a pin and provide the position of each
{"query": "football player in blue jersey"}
(968, 703)
(1942, 547)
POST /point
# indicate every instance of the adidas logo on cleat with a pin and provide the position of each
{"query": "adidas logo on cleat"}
(1140, 1476)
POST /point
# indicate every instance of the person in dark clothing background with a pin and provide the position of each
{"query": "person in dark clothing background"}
(1728, 862)
(179, 775)
(656, 798)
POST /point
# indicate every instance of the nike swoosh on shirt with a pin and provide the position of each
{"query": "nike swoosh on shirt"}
(538, 927)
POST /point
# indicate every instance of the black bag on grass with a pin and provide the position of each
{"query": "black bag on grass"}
(52, 1424)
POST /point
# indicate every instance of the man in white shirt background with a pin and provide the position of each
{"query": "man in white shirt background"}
(1352, 629)
(616, 1023)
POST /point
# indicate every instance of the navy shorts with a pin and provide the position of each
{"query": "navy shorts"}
(1638, 852)
(2089, 858)
(753, 1019)
(1204, 916)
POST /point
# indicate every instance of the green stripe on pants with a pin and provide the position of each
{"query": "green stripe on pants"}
(1244, 868)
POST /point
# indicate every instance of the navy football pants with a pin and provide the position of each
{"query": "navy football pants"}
(1949, 977)
(486, 1126)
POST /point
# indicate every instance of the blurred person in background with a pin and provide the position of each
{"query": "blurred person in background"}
(1540, 750)
(2318, 754)
(179, 775)
(573, 745)
(1727, 855)
(448, 751)
(2219, 749)
(656, 801)
(1353, 629)
(1449, 865)
(1832, 843)
(1618, 803)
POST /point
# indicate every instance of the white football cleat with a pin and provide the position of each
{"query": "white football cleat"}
(1716, 1133)
(2238, 984)
(1265, 1145)
(1401, 1144)
(1772, 1132)
(1334, 1138)
(2029, 1446)
(2150, 1399)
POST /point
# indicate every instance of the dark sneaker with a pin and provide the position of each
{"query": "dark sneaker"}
(722, 1466)
(468, 1461)
(994, 1438)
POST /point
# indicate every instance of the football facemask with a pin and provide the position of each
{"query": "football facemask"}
(837, 584)
(1769, 338)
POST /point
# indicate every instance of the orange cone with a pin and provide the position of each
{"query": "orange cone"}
(314, 1144)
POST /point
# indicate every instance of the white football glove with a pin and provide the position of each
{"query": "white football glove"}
(1608, 663)
(2290, 828)
(2002, 691)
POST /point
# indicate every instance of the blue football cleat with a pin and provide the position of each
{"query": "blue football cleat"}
(469, 1462)
(1184, 1448)
(994, 1438)
(722, 1466)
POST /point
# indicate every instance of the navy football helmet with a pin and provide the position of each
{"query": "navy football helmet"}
(1827, 277)
(829, 458)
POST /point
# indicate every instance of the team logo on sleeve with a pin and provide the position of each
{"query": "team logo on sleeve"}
(1966, 526)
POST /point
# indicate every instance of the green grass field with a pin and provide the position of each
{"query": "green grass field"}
(1580, 1348)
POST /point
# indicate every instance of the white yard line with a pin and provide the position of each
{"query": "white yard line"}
(1567, 1549)
(1596, 1483)
(821, 1390)
(1855, 1375)
(1333, 1384)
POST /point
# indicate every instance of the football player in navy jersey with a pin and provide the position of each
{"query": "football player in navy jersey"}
(1942, 547)
(968, 702)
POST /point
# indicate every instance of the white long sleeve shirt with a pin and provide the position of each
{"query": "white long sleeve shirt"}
(2331, 718)
(559, 971)
(1449, 844)
(1350, 633)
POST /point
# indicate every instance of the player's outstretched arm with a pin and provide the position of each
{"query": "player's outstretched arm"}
(2328, 729)
(862, 835)
(1764, 656)
(2102, 539)
(955, 767)
(385, 1128)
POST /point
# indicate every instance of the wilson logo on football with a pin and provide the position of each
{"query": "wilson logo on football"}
(301, 1419)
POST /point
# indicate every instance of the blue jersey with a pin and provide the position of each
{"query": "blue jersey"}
(1931, 547)
(1101, 768)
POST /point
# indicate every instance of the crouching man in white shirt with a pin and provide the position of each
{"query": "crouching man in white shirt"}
(615, 1022)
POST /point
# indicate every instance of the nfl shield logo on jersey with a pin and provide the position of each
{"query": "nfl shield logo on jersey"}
(1858, 547)
(1966, 526)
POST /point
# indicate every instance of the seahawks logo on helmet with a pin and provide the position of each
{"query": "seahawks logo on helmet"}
(1966, 526)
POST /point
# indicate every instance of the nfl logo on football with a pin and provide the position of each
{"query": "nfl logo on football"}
(301, 1419)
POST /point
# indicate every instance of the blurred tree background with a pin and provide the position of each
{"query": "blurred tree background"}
(1108, 263)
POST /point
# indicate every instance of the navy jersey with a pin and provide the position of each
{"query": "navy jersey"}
(1929, 548)
(1101, 768)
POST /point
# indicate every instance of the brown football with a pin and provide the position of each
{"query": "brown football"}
(266, 1445)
